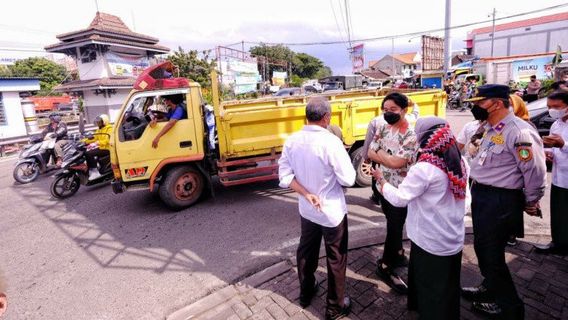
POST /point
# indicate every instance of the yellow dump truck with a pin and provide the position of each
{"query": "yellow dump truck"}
(243, 145)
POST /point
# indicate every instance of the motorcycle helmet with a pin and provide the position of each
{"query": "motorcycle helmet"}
(101, 121)
(55, 117)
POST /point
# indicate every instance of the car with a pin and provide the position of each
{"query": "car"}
(538, 115)
(374, 85)
(309, 89)
(288, 92)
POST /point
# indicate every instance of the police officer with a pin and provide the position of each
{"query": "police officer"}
(508, 176)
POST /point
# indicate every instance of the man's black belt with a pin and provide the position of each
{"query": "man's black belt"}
(482, 186)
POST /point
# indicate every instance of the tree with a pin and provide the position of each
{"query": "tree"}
(303, 65)
(193, 66)
(49, 73)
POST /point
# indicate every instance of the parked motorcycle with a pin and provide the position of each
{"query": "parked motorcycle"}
(75, 172)
(38, 156)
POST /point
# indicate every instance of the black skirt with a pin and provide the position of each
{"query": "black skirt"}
(434, 284)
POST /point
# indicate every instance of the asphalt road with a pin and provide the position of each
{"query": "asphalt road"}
(105, 256)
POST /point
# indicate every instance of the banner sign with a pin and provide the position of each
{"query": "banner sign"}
(524, 69)
(357, 58)
(240, 76)
(126, 65)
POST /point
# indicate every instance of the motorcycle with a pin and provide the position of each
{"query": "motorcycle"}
(75, 172)
(38, 156)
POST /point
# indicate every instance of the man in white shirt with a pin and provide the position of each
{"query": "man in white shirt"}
(314, 163)
(557, 141)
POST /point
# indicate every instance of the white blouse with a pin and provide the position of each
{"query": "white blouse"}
(435, 220)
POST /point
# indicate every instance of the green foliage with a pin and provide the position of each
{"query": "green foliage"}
(49, 73)
(303, 65)
(296, 81)
(323, 72)
(193, 66)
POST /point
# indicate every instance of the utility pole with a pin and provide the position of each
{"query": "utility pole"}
(392, 59)
(493, 33)
(348, 31)
(447, 40)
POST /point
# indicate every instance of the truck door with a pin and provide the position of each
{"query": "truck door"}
(136, 156)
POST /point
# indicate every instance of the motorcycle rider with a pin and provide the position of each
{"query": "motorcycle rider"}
(99, 145)
(59, 129)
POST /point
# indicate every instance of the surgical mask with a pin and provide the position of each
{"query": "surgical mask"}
(557, 114)
(391, 117)
(479, 113)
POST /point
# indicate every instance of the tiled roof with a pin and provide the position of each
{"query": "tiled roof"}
(406, 58)
(103, 83)
(375, 74)
(522, 23)
(372, 63)
(107, 28)
(109, 40)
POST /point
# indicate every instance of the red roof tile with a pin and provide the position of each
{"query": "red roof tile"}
(523, 23)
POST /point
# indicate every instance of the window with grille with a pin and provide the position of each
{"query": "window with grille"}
(3, 116)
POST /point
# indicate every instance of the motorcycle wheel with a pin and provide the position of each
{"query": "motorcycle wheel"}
(26, 172)
(65, 186)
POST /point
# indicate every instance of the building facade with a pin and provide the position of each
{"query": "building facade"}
(109, 57)
(525, 37)
(12, 122)
(406, 65)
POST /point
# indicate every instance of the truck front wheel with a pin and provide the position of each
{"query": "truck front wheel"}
(362, 168)
(182, 187)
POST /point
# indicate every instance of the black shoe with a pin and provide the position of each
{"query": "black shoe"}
(306, 299)
(344, 311)
(550, 248)
(401, 261)
(375, 200)
(478, 294)
(391, 278)
(512, 242)
(490, 309)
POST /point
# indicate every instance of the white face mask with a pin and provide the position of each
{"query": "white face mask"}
(557, 114)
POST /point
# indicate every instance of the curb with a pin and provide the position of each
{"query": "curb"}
(217, 298)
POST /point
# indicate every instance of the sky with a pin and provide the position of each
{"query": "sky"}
(31, 25)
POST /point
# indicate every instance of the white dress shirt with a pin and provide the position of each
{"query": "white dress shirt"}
(560, 161)
(435, 220)
(319, 162)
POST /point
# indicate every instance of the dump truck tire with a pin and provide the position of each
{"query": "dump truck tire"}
(182, 187)
(362, 169)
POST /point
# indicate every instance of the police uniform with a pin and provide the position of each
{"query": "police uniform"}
(508, 172)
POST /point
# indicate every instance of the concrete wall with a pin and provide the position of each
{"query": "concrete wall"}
(385, 64)
(98, 104)
(526, 40)
(13, 108)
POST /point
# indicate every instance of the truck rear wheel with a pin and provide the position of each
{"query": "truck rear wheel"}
(182, 187)
(362, 168)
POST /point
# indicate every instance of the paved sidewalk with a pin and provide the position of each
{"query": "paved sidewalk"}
(542, 281)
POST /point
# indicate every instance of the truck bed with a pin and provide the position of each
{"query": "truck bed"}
(260, 127)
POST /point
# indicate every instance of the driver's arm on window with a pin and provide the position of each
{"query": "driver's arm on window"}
(171, 123)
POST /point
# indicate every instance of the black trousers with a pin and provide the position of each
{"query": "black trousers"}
(94, 156)
(493, 211)
(531, 97)
(335, 241)
(434, 284)
(559, 216)
(395, 223)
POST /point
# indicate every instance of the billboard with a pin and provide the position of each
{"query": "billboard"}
(522, 70)
(241, 76)
(357, 58)
(126, 65)
(432, 53)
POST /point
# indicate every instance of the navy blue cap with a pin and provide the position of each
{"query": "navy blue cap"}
(490, 91)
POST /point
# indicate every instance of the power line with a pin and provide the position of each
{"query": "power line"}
(336, 22)
(405, 35)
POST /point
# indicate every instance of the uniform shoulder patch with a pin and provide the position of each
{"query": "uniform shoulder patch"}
(524, 153)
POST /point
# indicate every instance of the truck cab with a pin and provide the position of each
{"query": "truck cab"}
(138, 165)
